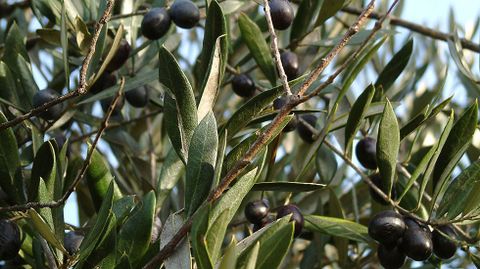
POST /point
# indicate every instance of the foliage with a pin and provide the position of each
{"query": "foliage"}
(167, 162)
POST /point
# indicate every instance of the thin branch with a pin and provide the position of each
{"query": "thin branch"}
(466, 44)
(82, 87)
(274, 46)
(83, 170)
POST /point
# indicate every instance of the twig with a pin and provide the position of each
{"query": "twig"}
(82, 87)
(257, 146)
(274, 46)
(83, 170)
(466, 44)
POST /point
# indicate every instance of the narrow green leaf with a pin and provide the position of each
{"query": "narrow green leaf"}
(357, 113)
(105, 215)
(428, 161)
(197, 236)
(181, 258)
(213, 58)
(212, 82)
(422, 118)
(134, 236)
(329, 9)
(395, 67)
(172, 77)
(98, 178)
(256, 43)
(252, 257)
(229, 260)
(274, 246)
(337, 227)
(304, 17)
(456, 144)
(201, 163)
(462, 191)
(44, 230)
(388, 145)
(9, 159)
(287, 186)
(223, 212)
(64, 43)
(172, 170)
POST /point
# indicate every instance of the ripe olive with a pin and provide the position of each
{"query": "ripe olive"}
(257, 210)
(108, 101)
(120, 56)
(390, 258)
(383, 185)
(282, 14)
(278, 104)
(387, 227)
(366, 151)
(138, 97)
(290, 64)
(184, 14)
(416, 241)
(10, 241)
(72, 241)
(155, 23)
(106, 80)
(304, 131)
(296, 216)
(243, 86)
(443, 247)
(44, 96)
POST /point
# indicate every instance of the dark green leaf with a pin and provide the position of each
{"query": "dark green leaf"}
(337, 227)
(287, 186)
(105, 215)
(275, 241)
(9, 159)
(197, 236)
(201, 163)
(303, 19)
(357, 113)
(388, 145)
(172, 77)
(256, 43)
(134, 236)
(456, 144)
(421, 119)
(462, 193)
(329, 9)
(395, 67)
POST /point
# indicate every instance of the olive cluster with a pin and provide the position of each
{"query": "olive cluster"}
(257, 213)
(157, 21)
(401, 237)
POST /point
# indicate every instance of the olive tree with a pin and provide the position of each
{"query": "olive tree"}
(236, 134)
